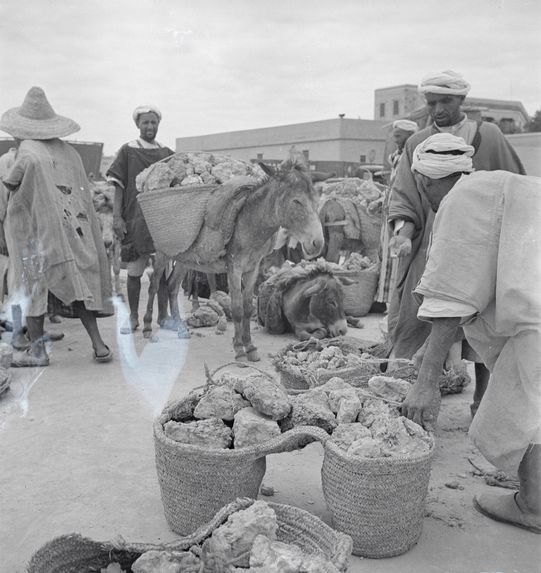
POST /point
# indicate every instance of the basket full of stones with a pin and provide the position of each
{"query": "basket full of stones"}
(211, 445)
(245, 535)
(310, 363)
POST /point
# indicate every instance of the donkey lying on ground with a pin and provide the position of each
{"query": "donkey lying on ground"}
(286, 199)
(306, 299)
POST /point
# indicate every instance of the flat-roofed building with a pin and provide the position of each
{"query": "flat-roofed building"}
(338, 144)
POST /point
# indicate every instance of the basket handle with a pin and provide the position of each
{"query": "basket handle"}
(209, 375)
(203, 531)
(289, 441)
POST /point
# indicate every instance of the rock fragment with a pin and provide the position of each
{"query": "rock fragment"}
(211, 433)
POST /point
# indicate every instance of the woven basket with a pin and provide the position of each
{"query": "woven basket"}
(195, 482)
(379, 502)
(359, 296)
(297, 380)
(174, 215)
(76, 554)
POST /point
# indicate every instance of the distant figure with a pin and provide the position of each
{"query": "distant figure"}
(403, 129)
(129, 223)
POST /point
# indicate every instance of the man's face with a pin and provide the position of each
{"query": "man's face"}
(148, 126)
(400, 137)
(444, 109)
(435, 189)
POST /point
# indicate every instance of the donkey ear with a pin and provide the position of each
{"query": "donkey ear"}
(267, 169)
(345, 281)
(312, 290)
(317, 176)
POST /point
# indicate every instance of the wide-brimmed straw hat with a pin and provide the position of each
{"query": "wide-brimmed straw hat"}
(36, 119)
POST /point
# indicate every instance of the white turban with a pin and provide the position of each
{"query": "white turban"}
(441, 155)
(146, 109)
(447, 82)
(405, 125)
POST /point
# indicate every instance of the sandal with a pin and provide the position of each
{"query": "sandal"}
(504, 508)
(106, 357)
(25, 359)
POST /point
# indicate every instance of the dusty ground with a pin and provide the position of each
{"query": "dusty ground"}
(77, 455)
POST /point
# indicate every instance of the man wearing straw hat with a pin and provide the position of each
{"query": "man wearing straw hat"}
(483, 273)
(52, 233)
(129, 223)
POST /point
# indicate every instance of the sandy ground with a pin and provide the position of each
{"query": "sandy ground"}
(77, 455)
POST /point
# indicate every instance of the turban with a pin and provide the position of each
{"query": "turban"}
(145, 109)
(405, 125)
(441, 155)
(447, 82)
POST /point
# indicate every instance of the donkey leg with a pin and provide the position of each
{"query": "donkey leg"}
(115, 251)
(173, 287)
(235, 290)
(211, 278)
(248, 281)
(158, 267)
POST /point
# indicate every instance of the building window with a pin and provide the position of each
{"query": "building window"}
(306, 153)
(396, 108)
(362, 159)
(382, 110)
(260, 157)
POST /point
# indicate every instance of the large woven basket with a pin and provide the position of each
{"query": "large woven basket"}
(195, 482)
(174, 215)
(76, 554)
(359, 296)
(297, 380)
(379, 502)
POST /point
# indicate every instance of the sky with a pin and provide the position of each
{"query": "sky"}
(222, 65)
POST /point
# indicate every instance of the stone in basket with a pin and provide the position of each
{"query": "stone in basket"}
(329, 549)
(196, 480)
(313, 362)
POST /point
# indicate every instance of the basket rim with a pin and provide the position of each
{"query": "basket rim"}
(254, 452)
(383, 461)
(145, 196)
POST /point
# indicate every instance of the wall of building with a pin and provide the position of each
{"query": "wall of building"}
(528, 148)
(333, 140)
(397, 102)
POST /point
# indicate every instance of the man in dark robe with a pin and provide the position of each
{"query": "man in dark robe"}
(129, 223)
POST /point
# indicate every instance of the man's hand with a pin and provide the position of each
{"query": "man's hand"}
(119, 227)
(400, 246)
(422, 405)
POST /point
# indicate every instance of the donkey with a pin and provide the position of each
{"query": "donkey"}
(102, 198)
(285, 199)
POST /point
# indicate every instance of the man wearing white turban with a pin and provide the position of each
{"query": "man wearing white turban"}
(483, 275)
(410, 214)
(129, 223)
(402, 130)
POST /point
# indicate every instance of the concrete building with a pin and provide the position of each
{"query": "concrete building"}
(338, 145)
(404, 100)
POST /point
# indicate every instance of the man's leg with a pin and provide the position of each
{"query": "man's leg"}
(36, 354)
(18, 339)
(135, 272)
(88, 318)
(523, 508)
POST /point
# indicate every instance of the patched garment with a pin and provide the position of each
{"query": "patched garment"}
(52, 233)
